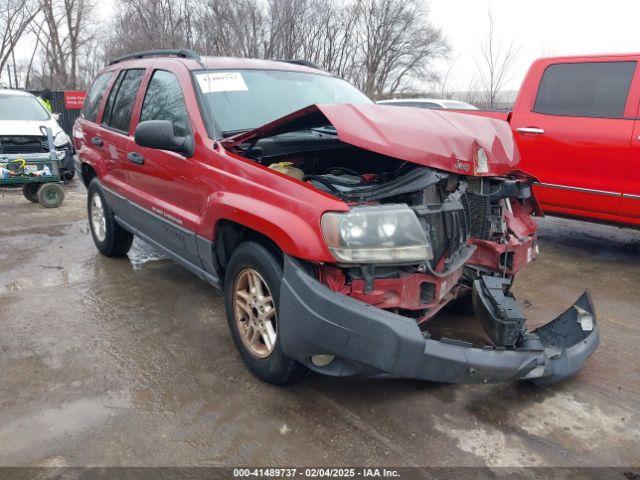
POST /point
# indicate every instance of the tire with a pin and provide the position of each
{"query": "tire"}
(110, 238)
(267, 362)
(67, 175)
(50, 195)
(30, 191)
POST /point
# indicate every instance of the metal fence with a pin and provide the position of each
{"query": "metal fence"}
(67, 117)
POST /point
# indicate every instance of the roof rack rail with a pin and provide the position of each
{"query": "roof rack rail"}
(304, 63)
(183, 53)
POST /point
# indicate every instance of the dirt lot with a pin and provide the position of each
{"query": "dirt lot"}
(129, 362)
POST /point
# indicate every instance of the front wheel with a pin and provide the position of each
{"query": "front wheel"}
(252, 294)
(68, 174)
(110, 238)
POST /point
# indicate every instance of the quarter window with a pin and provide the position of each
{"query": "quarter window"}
(96, 92)
(164, 101)
(117, 111)
(595, 89)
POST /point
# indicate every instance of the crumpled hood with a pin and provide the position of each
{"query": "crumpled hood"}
(433, 138)
(27, 128)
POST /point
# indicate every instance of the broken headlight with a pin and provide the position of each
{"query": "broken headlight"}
(61, 139)
(376, 234)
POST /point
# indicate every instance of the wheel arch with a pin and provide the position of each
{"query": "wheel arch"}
(230, 234)
(239, 218)
(88, 173)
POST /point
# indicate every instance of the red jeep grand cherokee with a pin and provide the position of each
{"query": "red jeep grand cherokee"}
(337, 228)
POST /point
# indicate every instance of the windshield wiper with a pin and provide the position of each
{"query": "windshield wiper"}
(231, 133)
(328, 129)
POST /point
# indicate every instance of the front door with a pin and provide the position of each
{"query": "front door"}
(576, 136)
(168, 204)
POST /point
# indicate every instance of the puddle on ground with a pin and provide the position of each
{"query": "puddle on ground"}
(49, 425)
(142, 253)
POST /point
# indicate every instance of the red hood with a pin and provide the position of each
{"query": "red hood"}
(434, 138)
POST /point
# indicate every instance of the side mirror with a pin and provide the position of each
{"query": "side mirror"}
(55, 116)
(159, 134)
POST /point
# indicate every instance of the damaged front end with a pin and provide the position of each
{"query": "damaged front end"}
(446, 223)
(353, 338)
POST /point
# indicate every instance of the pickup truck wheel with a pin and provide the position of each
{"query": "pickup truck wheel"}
(252, 293)
(110, 238)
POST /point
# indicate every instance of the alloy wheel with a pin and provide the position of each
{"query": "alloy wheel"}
(255, 313)
(98, 219)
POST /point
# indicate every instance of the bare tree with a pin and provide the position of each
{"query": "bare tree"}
(15, 18)
(62, 34)
(495, 63)
(380, 45)
(397, 43)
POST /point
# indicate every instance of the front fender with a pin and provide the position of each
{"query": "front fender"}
(296, 232)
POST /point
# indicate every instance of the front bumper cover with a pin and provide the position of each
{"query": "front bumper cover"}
(313, 320)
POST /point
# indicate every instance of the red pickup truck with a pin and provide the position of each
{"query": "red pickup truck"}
(576, 124)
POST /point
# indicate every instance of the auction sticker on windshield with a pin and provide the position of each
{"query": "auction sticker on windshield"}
(221, 82)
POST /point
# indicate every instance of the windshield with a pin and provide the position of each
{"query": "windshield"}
(241, 100)
(21, 107)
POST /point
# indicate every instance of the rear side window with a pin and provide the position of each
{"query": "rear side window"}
(596, 89)
(164, 101)
(117, 111)
(96, 92)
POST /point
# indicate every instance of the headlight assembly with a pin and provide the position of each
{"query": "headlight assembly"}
(61, 139)
(376, 234)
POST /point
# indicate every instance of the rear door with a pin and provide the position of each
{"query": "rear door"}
(86, 131)
(167, 186)
(574, 132)
(630, 203)
(116, 122)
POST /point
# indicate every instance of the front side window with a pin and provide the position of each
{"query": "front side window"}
(594, 89)
(241, 100)
(22, 107)
(96, 92)
(117, 111)
(164, 101)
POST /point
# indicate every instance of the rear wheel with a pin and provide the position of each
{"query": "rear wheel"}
(252, 294)
(30, 191)
(50, 195)
(110, 238)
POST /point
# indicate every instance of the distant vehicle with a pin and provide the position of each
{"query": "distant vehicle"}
(429, 103)
(576, 124)
(21, 118)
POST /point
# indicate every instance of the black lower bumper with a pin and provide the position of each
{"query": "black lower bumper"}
(365, 340)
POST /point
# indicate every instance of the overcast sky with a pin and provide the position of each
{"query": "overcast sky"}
(539, 28)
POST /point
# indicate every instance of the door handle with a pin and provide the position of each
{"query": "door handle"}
(135, 158)
(97, 141)
(530, 130)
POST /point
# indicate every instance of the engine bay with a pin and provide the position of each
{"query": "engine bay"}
(460, 214)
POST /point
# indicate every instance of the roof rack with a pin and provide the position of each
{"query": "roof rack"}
(183, 53)
(304, 63)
